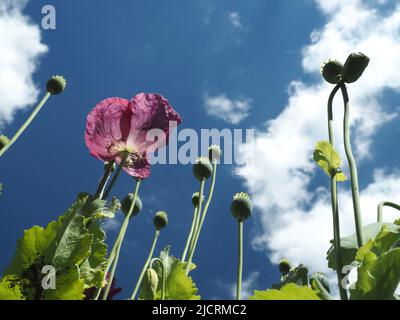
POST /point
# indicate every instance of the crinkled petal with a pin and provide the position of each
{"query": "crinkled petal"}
(108, 122)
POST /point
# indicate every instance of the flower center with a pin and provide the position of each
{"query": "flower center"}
(121, 147)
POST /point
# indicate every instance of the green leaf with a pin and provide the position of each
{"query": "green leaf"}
(349, 244)
(68, 287)
(179, 286)
(288, 292)
(378, 277)
(92, 269)
(10, 288)
(329, 160)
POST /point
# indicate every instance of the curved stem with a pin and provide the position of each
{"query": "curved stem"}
(189, 263)
(240, 262)
(26, 124)
(353, 167)
(334, 203)
(118, 242)
(189, 239)
(125, 157)
(146, 265)
(385, 204)
(104, 180)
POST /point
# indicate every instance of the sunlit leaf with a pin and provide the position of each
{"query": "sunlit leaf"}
(288, 292)
(329, 160)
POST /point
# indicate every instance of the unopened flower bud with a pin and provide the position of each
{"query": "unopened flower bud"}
(214, 153)
(92, 205)
(322, 279)
(332, 71)
(284, 266)
(160, 220)
(56, 85)
(127, 202)
(196, 198)
(150, 282)
(202, 169)
(241, 206)
(354, 67)
(3, 141)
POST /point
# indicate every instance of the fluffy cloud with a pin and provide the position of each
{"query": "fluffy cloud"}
(20, 49)
(234, 19)
(293, 209)
(230, 110)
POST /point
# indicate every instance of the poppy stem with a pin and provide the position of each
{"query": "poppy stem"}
(114, 254)
(334, 203)
(125, 157)
(353, 168)
(146, 265)
(202, 215)
(385, 204)
(104, 180)
(240, 261)
(189, 240)
(26, 124)
(202, 183)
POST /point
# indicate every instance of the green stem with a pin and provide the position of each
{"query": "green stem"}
(124, 158)
(146, 265)
(26, 124)
(189, 239)
(240, 262)
(203, 215)
(353, 167)
(189, 263)
(118, 242)
(385, 204)
(104, 180)
(334, 202)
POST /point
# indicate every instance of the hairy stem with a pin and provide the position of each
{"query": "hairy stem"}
(26, 124)
(240, 262)
(146, 265)
(124, 158)
(104, 180)
(385, 204)
(189, 239)
(353, 168)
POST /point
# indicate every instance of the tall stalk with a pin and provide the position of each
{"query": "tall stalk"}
(334, 203)
(240, 261)
(353, 168)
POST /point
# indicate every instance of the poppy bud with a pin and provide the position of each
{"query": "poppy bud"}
(3, 141)
(214, 153)
(332, 71)
(56, 85)
(322, 279)
(195, 199)
(241, 206)
(160, 220)
(354, 67)
(127, 202)
(284, 266)
(92, 205)
(150, 282)
(202, 169)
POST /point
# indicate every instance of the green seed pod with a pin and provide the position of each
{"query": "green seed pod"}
(202, 169)
(354, 67)
(241, 206)
(126, 205)
(160, 220)
(214, 153)
(56, 85)
(3, 141)
(92, 205)
(150, 283)
(284, 266)
(322, 279)
(332, 71)
(195, 199)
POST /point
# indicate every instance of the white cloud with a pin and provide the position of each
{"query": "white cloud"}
(295, 215)
(248, 285)
(20, 48)
(230, 110)
(234, 19)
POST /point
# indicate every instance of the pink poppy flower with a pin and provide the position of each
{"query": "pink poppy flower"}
(116, 126)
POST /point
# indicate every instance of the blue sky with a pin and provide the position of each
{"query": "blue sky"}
(266, 53)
